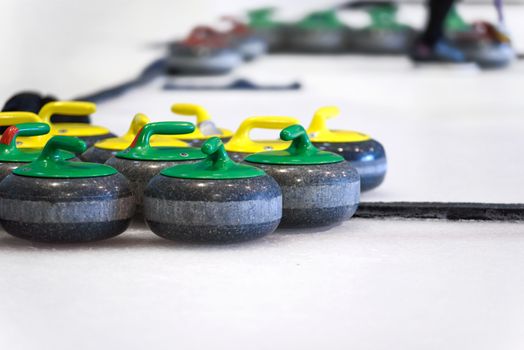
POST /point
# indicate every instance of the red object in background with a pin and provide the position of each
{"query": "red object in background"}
(206, 36)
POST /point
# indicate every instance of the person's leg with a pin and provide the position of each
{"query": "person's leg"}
(431, 45)
(438, 10)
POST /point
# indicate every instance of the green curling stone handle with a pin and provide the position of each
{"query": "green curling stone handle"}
(9, 152)
(142, 140)
(51, 151)
(217, 165)
(300, 143)
(141, 148)
(50, 163)
(216, 153)
(25, 129)
(300, 152)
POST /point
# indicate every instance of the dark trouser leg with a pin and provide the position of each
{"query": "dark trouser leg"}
(438, 10)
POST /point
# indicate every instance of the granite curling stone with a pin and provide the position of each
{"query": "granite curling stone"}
(318, 188)
(11, 157)
(101, 151)
(245, 40)
(215, 200)
(364, 154)
(320, 32)
(56, 201)
(485, 45)
(272, 32)
(141, 161)
(385, 35)
(241, 144)
(204, 129)
(89, 133)
(204, 52)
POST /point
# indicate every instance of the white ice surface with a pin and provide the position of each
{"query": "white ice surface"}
(387, 284)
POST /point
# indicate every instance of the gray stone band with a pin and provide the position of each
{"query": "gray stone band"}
(324, 196)
(66, 212)
(213, 213)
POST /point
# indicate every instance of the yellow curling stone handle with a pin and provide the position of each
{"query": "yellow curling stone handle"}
(202, 115)
(319, 132)
(71, 108)
(242, 142)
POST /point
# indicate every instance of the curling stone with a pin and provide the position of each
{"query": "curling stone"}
(319, 32)
(241, 144)
(215, 200)
(245, 40)
(272, 32)
(204, 52)
(90, 134)
(319, 188)
(485, 45)
(105, 149)
(141, 161)
(364, 154)
(205, 128)
(29, 101)
(56, 201)
(385, 35)
(11, 157)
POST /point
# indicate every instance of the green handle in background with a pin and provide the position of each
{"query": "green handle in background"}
(24, 129)
(9, 152)
(321, 20)
(142, 140)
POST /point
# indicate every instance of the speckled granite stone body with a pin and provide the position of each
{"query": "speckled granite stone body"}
(201, 60)
(97, 155)
(317, 41)
(367, 157)
(374, 41)
(7, 167)
(239, 156)
(315, 195)
(65, 210)
(140, 172)
(275, 38)
(212, 210)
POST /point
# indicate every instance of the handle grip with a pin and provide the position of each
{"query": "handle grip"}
(24, 129)
(318, 123)
(142, 140)
(188, 109)
(58, 143)
(300, 143)
(70, 108)
(12, 118)
(274, 123)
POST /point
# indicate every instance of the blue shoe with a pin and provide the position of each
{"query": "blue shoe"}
(441, 52)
